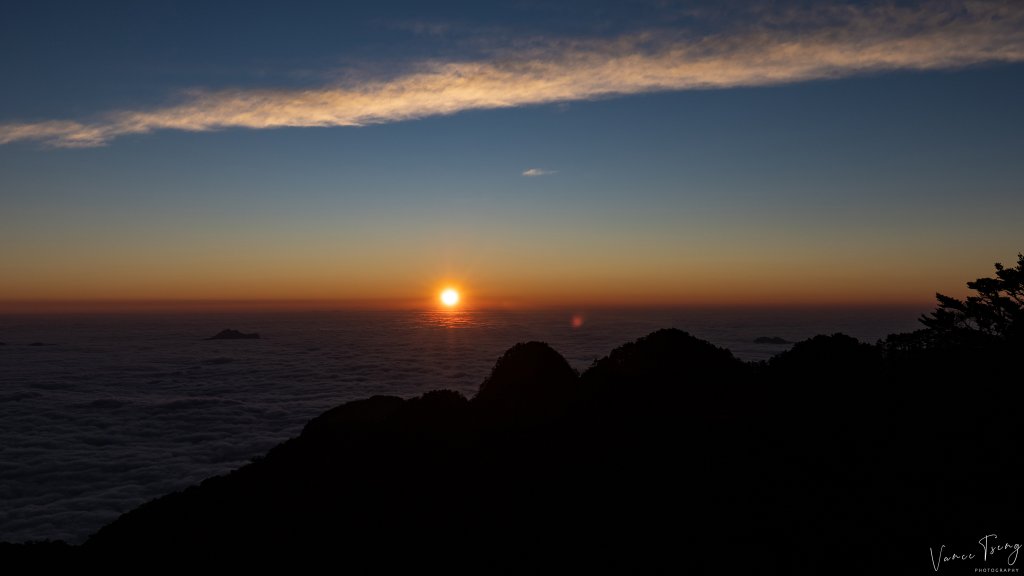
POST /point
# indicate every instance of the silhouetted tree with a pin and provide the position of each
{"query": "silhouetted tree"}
(996, 312)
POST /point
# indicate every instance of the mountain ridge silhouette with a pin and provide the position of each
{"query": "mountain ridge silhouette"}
(666, 452)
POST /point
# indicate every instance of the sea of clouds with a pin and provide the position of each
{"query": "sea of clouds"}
(108, 412)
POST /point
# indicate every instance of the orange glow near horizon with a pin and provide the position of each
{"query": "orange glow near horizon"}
(411, 281)
(562, 262)
(711, 289)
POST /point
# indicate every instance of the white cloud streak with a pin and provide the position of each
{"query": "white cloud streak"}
(538, 172)
(826, 43)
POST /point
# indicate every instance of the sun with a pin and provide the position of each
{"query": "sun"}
(449, 297)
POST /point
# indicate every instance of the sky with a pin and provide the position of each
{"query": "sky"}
(530, 153)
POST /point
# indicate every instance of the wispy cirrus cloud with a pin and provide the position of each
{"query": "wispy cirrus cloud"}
(538, 172)
(786, 47)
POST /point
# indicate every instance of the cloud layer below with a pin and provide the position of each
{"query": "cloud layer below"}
(791, 47)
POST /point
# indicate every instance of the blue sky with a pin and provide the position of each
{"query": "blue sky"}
(687, 154)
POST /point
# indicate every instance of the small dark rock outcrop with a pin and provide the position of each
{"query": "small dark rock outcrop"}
(229, 334)
(771, 340)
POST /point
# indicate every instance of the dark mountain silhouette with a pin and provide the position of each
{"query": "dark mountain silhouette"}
(229, 334)
(669, 454)
(530, 385)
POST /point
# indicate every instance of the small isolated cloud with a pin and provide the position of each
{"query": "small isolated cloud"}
(538, 172)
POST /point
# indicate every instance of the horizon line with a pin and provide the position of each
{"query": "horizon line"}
(227, 305)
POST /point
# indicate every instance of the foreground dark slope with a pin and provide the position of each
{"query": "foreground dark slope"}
(540, 464)
(835, 457)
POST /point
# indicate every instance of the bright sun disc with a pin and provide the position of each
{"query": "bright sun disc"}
(450, 297)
